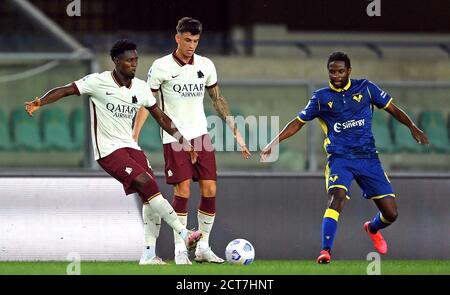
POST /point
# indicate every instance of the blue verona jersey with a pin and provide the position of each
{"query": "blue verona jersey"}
(345, 115)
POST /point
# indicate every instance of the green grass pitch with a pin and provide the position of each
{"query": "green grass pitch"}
(259, 267)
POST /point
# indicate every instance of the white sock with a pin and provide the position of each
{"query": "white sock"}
(165, 210)
(180, 246)
(149, 252)
(205, 224)
(152, 226)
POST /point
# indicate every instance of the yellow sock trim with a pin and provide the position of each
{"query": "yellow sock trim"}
(151, 197)
(331, 213)
(206, 213)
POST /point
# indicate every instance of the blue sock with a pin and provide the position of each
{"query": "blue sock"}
(329, 228)
(378, 223)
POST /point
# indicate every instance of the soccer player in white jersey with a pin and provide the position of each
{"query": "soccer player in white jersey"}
(115, 98)
(181, 78)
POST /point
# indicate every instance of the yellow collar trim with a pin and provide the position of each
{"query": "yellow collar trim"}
(346, 87)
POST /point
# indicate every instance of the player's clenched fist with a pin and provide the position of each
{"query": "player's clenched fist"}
(32, 106)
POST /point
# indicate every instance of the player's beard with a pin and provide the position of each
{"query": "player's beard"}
(131, 76)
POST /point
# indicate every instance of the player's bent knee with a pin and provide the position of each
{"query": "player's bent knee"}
(146, 186)
(141, 180)
(183, 189)
(183, 192)
(209, 191)
(337, 198)
(391, 216)
(337, 194)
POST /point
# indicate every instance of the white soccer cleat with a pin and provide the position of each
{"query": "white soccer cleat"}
(155, 260)
(182, 257)
(207, 255)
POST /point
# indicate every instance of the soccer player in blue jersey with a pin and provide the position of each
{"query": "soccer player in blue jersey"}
(344, 110)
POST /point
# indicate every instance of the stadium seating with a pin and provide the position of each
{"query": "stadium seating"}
(5, 137)
(433, 124)
(403, 139)
(77, 128)
(448, 125)
(150, 137)
(55, 129)
(26, 131)
(380, 129)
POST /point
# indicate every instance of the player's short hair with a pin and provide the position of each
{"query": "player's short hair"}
(121, 46)
(339, 56)
(190, 25)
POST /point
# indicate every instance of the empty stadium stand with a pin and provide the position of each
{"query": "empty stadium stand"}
(55, 129)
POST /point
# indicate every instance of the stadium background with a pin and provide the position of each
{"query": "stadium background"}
(270, 55)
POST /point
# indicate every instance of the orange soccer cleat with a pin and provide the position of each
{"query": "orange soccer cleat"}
(378, 241)
(324, 257)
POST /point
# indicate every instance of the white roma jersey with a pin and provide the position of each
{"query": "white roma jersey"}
(182, 88)
(113, 108)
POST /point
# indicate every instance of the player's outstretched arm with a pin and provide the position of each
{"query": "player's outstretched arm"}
(139, 121)
(403, 118)
(166, 123)
(221, 106)
(50, 97)
(290, 129)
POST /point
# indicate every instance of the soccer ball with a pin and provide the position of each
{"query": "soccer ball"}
(240, 251)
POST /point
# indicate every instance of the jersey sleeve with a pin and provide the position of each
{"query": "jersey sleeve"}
(211, 81)
(378, 97)
(154, 77)
(87, 84)
(149, 100)
(311, 110)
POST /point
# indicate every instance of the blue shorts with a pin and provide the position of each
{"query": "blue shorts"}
(368, 173)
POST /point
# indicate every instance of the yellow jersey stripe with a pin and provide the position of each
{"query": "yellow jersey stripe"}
(388, 103)
(327, 175)
(331, 213)
(324, 126)
(387, 178)
(300, 119)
